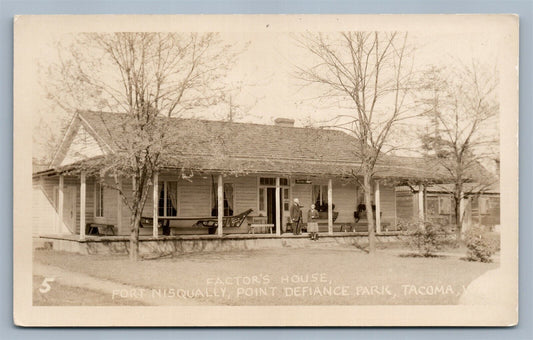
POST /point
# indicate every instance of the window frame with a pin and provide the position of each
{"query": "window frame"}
(214, 198)
(442, 205)
(284, 184)
(99, 200)
(322, 193)
(163, 185)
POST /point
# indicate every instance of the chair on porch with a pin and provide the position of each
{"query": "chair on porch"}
(100, 229)
(228, 221)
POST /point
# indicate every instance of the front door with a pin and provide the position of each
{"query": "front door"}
(271, 205)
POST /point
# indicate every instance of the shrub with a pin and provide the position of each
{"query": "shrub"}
(480, 245)
(425, 241)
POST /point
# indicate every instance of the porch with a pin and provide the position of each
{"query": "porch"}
(83, 205)
(170, 245)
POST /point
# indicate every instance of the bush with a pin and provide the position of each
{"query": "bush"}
(480, 245)
(425, 241)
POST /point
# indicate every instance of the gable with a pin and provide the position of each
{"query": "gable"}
(83, 146)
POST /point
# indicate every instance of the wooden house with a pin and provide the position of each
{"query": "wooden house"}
(259, 167)
(481, 204)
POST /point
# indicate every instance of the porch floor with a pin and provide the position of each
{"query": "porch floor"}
(289, 235)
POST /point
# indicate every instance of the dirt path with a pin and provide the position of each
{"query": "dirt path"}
(120, 292)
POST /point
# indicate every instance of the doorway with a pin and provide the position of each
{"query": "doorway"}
(271, 205)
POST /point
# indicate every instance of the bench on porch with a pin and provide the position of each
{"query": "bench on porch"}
(100, 229)
(362, 226)
(361, 222)
(227, 221)
(260, 222)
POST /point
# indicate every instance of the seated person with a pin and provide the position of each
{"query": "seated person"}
(360, 213)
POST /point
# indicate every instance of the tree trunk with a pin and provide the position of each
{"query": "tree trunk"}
(457, 209)
(369, 213)
(134, 236)
(140, 191)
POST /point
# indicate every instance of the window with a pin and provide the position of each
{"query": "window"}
(432, 206)
(483, 205)
(268, 181)
(320, 195)
(228, 200)
(168, 199)
(286, 199)
(262, 195)
(98, 200)
(445, 205)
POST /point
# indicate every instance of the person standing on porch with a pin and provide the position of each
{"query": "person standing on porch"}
(296, 217)
(312, 225)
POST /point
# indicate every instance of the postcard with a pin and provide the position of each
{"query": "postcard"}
(265, 170)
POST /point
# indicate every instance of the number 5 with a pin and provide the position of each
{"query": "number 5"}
(45, 287)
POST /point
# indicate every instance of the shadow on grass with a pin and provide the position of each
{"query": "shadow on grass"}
(361, 247)
(157, 256)
(422, 255)
(469, 259)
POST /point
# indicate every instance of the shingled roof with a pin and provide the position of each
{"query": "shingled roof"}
(208, 145)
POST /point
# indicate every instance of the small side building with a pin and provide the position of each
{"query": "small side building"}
(481, 204)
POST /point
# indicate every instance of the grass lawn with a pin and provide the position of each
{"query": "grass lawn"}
(300, 276)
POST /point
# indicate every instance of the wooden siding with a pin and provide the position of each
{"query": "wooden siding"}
(126, 212)
(110, 204)
(89, 200)
(245, 194)
(44, 211)
(387, 200)
(344, 198)
(194, 197)
(405, 207)
(490, 215)
(45, 200)
(83, 146)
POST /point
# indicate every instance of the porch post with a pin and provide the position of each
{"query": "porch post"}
(155, 201)
(60, 203)
(220, 205)
(278, 210)
(82, 205)
(377, 198)
(119, 206)
(421, 205)
(330, 206)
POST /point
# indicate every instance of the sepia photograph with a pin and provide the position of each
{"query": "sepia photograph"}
(266, 170)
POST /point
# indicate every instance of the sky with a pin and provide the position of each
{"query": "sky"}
(266, 68)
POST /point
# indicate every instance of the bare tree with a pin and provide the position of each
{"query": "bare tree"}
(148, 78)
(368, 73)
(462, 106)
